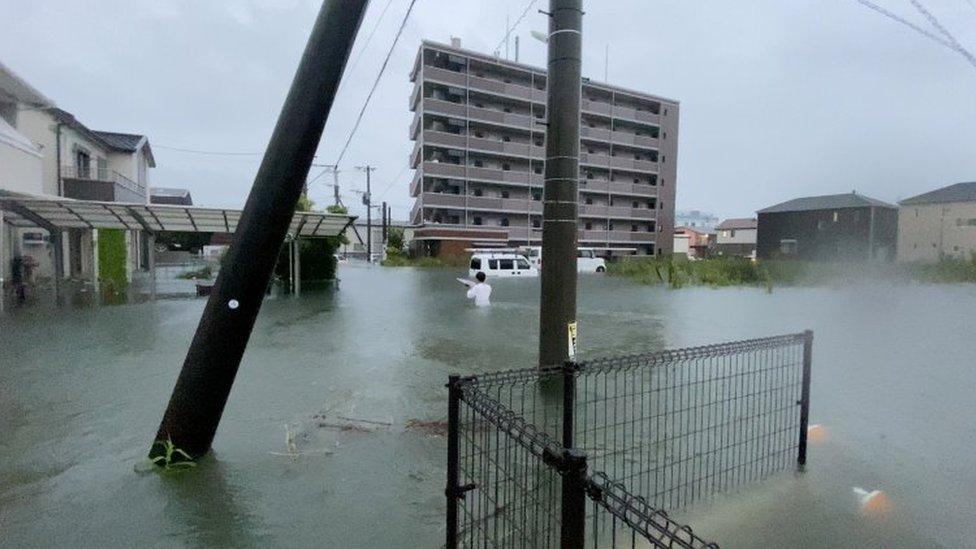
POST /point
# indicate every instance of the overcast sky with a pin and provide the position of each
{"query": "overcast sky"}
(779, 98)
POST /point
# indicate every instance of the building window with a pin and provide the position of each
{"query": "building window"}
(506, 138)
(589, 200)
(589, 150)
(506, 166)
(504, 222)
(537, 169)
(635, 205)
(479, 134)
(610, 225)
(504, 194)
(636, 180)
(589, 175)
(651, 206)
(665, 134)
(633, 228)
(536, 223)
(478, 192)
(538, 142)
(537, 196)
(732, 233)
(479, 105)
(479, 164)
(589, 226)
(507, 109)
(476, 220)
(787, 246)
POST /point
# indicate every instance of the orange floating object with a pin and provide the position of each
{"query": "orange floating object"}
(873, 503)
(816, 433)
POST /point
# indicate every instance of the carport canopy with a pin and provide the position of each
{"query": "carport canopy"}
(66, 213)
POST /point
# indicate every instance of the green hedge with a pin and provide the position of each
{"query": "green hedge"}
(111, 265)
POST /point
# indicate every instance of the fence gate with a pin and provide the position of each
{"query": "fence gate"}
(595, 453)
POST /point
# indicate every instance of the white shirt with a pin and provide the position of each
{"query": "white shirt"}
(480, 292)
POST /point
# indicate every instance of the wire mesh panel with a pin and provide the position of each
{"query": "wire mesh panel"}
(637, 435)
(506, 470)
(676, 426)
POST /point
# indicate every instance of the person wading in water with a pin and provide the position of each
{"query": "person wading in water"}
(480, 292)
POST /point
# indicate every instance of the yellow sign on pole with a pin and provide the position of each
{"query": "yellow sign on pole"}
(571, 340)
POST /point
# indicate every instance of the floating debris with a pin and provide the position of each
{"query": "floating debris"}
(816, 433)
(873, 502)
(431, 428)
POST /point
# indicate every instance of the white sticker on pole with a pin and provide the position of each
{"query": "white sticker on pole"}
(571, 340)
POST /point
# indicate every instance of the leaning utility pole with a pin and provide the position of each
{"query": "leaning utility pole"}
(201, 391)
(368, 201)
(559, 217)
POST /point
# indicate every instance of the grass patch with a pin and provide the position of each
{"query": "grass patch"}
(722, 272)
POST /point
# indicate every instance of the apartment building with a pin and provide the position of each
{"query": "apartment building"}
(479, 154)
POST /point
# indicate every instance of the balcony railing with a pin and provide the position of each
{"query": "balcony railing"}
(105, 175)
(534, 95)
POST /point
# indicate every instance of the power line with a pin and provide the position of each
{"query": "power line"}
(395, 179)
(376, 83)
(211, 153)
(939, 27)
(508, 31)
(369, 38)
(905, 22)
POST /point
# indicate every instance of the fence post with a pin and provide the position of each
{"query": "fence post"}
(801, 458)
(569, 401)
(573, 509)
(453, 417)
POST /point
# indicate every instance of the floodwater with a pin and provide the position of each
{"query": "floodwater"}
(347, 380)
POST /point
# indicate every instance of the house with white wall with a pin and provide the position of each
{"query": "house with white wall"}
(46, 152)
(737, 237)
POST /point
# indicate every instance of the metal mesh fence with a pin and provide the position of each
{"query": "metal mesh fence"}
(657, 432)
(511, 490)
(677, 426)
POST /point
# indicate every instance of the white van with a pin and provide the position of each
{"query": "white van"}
(586, 259)
(501, 265)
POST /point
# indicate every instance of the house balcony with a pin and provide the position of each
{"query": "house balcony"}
(415, 183)
(103, 185)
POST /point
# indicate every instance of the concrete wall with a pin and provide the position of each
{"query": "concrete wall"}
(928, 232)
(21, 162)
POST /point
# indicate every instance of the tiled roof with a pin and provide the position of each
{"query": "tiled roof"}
(738, 223)
(826, 202)
(960, 192)
(121, 141)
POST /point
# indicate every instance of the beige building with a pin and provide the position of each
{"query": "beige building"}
(938, 224)
(480, 151)
(45, 152)
(737, 237)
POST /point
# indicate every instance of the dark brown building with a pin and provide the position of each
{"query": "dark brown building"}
(838, 227)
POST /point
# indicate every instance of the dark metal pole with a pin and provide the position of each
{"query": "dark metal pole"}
(572, 530)
(369, 219)
(801, 457)
(385, 222)
(569, 401)
(451, 491)
(57, 239)
(559, 218)
(201, 391)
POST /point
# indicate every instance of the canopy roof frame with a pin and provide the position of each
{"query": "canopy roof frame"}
(57, 214)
